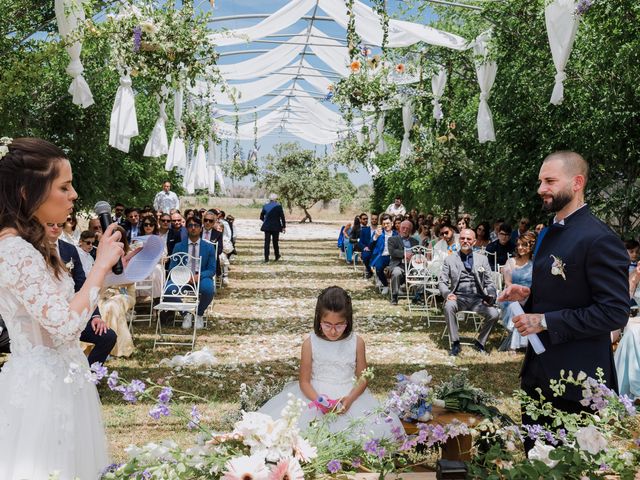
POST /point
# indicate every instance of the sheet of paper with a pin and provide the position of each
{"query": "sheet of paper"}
(535, 342)
(141, 265)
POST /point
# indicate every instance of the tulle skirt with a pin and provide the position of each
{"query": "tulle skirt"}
(50, 419)
(366, 408)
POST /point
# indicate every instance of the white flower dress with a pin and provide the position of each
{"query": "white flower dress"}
(50, 414)
(333, 368)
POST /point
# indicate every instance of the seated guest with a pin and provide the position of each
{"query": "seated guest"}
(503, 248)
(539, 228)
(496, 228)
(132, 225)
(234, 234)
(465, 284)
(374, 222)
(149, 226)
(462, 224)
(633, 249)
(85, 247)
(115, 302)
(204, 250)
(523, 227)
(71, 232)
(448, 242)
(364, 242)
(482, 235)
(399, 249)
(354, 239)
(118, 214)
(380, 251)
(95, 228)
(96, 331)
(627, 360)
(424, 234)
(397, 220)
(166, 233)
(177, 225)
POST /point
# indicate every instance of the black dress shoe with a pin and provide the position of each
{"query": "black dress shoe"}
(278, 257)
(479, 347)
(266, 260)
(369, 275)
(455, 349)
(394, 300)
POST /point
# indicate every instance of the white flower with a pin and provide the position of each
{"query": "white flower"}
(304, 451)
(148, 27)
(541, 452)
(421, 377)
(245, 467)
(287, 468)
(3, 150)
(591, 440)
(557, 268)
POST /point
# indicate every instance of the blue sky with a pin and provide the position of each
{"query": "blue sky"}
(224, 8)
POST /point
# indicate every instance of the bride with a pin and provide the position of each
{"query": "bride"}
(50, 417)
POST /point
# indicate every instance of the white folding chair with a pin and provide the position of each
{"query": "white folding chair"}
(137, 314)
(416, 274)
(432, 292)
(179, 294)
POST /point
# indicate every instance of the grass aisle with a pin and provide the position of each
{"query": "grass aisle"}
(258, 326)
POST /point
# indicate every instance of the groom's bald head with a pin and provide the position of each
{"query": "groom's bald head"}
(572, 163)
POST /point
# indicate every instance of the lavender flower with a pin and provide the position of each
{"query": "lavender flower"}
(628, 405)
(583, 6)
(137, 38)
(137, 386)
(195, 418)
(356, 462)
(113, 379)
(165, 395)
(371, 446)
(158, 411)
(334, 466)
(97, 372)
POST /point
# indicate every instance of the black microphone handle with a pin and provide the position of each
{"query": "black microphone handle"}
(105, 221)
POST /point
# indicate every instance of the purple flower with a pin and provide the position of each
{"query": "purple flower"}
(356, 462)
(128, 394)
(113, 379)
(158, 411)
(334, 466)
(137, 386)
(110, 468)
(100, 370)
(371, 446)
(195, 418)
(533, 431)
(137, 37)
(583, 6)
(165, 395)
(628, 405)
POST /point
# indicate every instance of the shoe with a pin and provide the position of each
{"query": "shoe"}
(199, 322)
(417, 301)
(394, 300)
(266, 260)
(278, 257)
(455, 349)
(187, 321)
(368, 275)
(225, 281)
(479, 347)
(385, 291)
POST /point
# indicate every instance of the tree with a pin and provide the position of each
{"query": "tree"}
(301, 180)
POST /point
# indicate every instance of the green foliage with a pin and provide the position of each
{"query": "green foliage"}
(35, 102)
(301, 180)
(599, 116)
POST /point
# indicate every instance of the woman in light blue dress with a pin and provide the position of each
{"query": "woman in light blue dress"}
(518, 270)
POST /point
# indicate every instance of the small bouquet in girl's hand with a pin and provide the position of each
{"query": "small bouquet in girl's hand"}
(325, 404)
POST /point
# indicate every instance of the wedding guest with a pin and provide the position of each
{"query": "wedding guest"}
(633, 250)
(448, 242)
(364, 242)
(273, 224)
(539, 228)
(397, 220)
(523, 227)
(166, 200)
(85, 247)
(503, 248)
(374, 222)
(354, 235)
(169, 238)
(132, 225)
(118, 214)
(177, 225)
(396, 208)
(71, 232)
(462, 224)
(482, 236)
(149, 226)
(518, 270)
(496, 229)
(399, 250)
(209, 221)
(380, 251)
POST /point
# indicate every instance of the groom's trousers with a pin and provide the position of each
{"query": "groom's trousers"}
(267, 243)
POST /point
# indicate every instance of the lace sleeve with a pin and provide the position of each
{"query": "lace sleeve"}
(24, 274)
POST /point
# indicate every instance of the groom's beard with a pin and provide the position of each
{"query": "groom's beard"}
(558, 202)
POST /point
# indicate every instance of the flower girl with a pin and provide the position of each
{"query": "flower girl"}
(332, 357)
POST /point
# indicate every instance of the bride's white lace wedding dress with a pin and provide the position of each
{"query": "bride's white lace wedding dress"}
(50, 417)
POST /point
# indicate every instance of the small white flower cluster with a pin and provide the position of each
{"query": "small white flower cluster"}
(4, 146)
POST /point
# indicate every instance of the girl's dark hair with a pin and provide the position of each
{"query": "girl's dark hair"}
(123, 238)
(152, 220)
(27, 173)
(333, 299)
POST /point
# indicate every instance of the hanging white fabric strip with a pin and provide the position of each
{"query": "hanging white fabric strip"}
(70, 13)
(124, 123)
(486, 72)
(177, 156)
(407, 122)
(381, 148)
(562, 27)
(158, 143)
(438, 84)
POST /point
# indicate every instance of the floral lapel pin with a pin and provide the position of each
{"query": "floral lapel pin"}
(69, 265)
(557, 267)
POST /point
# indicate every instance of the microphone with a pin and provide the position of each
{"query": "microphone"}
(103, 211)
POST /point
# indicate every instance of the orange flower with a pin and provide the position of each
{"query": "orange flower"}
(400, 68)
(330, 87)
(355, 66)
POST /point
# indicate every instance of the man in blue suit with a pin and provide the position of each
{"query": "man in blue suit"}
(199, 248)
(380, 250)
(364, 242)
(579, 292)
(273, 222)
(96, 331)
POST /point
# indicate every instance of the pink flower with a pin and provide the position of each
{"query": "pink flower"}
(287, 469)
(304, 451)
(246, 468)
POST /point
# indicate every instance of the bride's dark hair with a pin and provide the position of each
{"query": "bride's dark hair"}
(27, 173)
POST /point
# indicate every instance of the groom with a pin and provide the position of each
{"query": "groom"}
(579, 292)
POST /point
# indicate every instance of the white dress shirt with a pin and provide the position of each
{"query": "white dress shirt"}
(165, 201)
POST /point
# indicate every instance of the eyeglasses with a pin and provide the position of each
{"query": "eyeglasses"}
(59, 225)
(504, 234)
(209, 220)
(119, 210)
(193, 225)
(88, 242)
(165, 221)
(177, 221)
(147, 225)
(330, 326)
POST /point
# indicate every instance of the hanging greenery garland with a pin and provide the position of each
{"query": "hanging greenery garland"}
(380, 7)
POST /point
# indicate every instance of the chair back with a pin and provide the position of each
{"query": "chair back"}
(417, 266)
(181, 283)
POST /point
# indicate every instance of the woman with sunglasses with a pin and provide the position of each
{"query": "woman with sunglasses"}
(149, 226)
(70, 230)
(332, 355)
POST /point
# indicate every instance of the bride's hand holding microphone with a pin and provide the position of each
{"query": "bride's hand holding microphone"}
(110, 250)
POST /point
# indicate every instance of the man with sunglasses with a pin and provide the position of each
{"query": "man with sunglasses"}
(364, 242)
(85, 247)
(166, 234)
(177, 226)
(204, 250)
(132, 225)
(380, 250)
(118, 215)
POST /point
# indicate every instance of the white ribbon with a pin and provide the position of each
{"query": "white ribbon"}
(211, 170)
(438, 84)
(68, 14)
(381, 148)
(486, 73)
(562, 27)
(177, 156)
(196, 176)
(407, 122)
(124, 123)
(158, 144)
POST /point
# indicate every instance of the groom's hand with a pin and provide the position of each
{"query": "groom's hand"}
(528, 323)
(514, 293)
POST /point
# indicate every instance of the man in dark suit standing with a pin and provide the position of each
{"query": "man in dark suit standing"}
(579, 292)
(273, 222)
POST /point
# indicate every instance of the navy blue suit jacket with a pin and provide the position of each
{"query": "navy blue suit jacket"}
(207, 254)
(68, 253)
(582, 310)
(378, 248)
(272, 216)
(365, 237)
